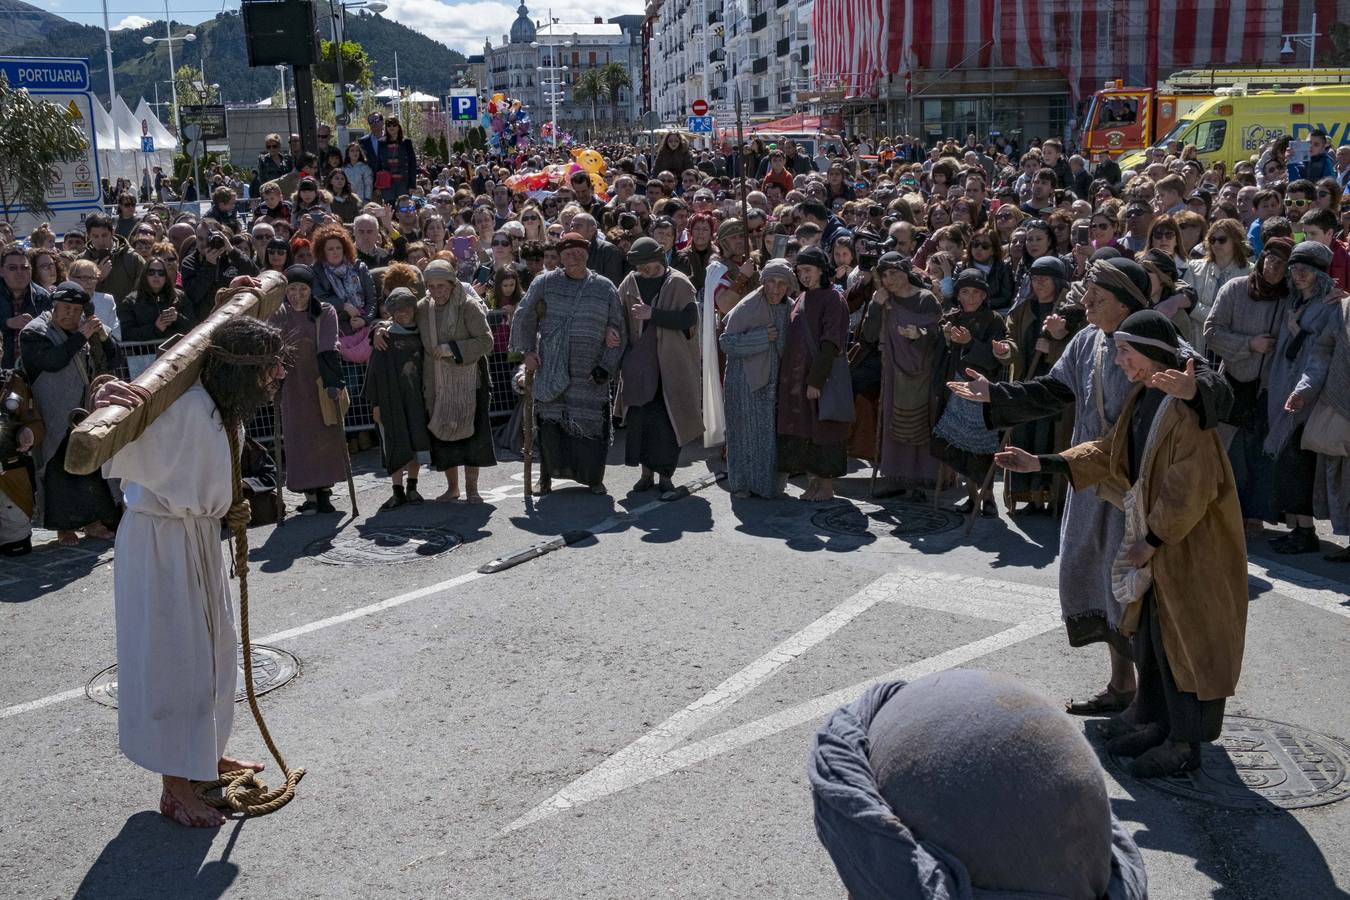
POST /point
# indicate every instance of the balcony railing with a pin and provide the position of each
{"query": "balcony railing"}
(760, 105)
(784, 44)
(759, 66)
(759, 22)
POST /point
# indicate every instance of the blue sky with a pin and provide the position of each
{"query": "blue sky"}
(463, 24)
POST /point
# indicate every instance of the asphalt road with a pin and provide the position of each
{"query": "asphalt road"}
(628, 716)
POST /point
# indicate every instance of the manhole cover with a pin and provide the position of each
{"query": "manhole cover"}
(272, 667)
(382, 546)
(861, 518)
(1257, 764)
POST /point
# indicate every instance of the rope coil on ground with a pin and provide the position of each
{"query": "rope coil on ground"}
(243, 791)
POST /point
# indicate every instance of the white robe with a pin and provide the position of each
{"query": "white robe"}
(176, 643)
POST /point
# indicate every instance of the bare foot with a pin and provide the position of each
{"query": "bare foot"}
(99, 532)
(178, 803)
(230, 764)
(67, 538)
(473, 497)
(822, 494)
(447, 497)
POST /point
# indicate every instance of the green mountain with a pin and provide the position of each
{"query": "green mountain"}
(26, 30)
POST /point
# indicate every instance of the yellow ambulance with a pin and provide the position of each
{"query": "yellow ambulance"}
(1234, 125)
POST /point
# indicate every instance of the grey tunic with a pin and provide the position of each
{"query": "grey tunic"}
(564, 320)
(752, 416)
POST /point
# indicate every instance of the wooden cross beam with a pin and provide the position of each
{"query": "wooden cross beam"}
(107, 430)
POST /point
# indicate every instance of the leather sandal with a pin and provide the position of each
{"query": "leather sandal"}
(1167, 759)
(1108, 701)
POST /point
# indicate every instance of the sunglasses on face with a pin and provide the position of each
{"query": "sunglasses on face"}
(1101, 226)
(501, 243)
(1003, 217)
(1297, 204)
(530, 219)
(161, 273)
(273, 146)
(1165, 235)
(981, 245)
(1218, 239)
(407, 209)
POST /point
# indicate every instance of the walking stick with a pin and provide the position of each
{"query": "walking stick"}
(528, 426)
(984, 486)
(351, 484)
(281, 462)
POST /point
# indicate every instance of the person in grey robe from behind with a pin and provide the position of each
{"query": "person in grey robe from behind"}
(967, 785)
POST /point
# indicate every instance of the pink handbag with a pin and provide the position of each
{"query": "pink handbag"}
(355, 347)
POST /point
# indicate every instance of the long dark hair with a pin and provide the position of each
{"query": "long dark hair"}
(241, 353)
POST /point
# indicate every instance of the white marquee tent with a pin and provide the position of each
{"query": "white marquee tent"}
(115, 161)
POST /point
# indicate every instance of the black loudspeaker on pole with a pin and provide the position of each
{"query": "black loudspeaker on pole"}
(275, 34)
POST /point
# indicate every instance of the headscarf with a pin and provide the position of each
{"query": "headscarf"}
(1124, 278)
(1258, 288)
(1152, 334)
(966, 781)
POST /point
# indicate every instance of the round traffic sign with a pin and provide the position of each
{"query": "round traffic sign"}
(700, 107)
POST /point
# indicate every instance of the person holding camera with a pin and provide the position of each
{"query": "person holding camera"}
(21, 429)
(210, 266)
(63, 350)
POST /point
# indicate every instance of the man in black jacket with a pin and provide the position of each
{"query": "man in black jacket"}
(603, 258)
(21, 300)
(209, 267)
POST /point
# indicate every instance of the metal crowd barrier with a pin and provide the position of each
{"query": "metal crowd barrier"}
(136, 357)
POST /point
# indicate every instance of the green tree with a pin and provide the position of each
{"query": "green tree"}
(591, 88)
(193, 88)
(36, 136)
(616, 78)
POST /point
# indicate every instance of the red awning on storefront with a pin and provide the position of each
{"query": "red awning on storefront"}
(798, 122)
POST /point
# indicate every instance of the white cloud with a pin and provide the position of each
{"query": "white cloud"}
(131, 22)
(464, 26)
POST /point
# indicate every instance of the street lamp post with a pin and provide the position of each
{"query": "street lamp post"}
(290, 126)
(173, 70)
(1304, 39)
(338, 31)
(554, 84)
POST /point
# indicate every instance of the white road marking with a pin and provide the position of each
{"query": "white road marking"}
(606, 524)
(1324, 593)
(657, 753)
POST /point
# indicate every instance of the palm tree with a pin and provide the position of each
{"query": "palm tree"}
(589, 87)
(616, 79)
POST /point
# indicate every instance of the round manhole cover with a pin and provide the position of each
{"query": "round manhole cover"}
(272, 667)
(382, 546)
(861, 518)
(1258, 764)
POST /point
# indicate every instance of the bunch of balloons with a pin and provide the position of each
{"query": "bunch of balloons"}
(507, 124)
(556, 176)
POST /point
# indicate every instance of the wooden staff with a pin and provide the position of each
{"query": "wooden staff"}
(528, 426)
(740, 141)
(98, 438)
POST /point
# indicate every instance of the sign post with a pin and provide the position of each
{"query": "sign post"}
(77, 188)
(463, 105)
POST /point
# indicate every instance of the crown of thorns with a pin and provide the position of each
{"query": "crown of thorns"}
(251, 359)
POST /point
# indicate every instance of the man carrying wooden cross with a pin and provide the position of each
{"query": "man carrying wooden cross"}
(176, 636)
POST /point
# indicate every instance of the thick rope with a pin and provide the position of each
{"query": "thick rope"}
(244, 791)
